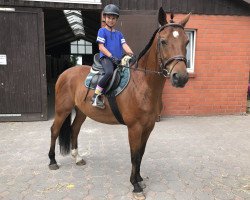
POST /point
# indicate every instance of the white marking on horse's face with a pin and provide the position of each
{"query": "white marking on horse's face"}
(176, 34)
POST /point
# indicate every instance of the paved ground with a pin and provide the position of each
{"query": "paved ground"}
(186, 158)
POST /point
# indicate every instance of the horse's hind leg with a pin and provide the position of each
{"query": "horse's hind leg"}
(76, 126)
(55, 130)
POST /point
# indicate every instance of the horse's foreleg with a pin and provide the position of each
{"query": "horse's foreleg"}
(76, 126)
(135, 134)
(144, 139)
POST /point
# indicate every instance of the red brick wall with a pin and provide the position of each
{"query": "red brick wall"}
(221, 71)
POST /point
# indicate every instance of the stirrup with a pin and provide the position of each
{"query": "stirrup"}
(97, 102)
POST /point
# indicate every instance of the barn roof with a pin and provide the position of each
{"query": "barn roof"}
(79, 25)
(61, 24)
(58, 4)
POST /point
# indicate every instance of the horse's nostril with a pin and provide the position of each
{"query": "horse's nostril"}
(175, 76)
(179, 80)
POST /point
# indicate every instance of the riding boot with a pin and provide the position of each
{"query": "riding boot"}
(97, 101)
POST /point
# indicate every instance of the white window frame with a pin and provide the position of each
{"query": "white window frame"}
(78, 46)
(192, 43)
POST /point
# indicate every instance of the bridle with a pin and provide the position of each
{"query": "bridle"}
(164, 62)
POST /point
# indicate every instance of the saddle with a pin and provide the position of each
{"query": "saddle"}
(118, 81)
(117, 84)
(98, 70)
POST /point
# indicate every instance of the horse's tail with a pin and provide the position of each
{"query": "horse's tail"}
(65, 136)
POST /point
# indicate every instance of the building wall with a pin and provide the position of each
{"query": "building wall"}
(208, 7)
(221, 74)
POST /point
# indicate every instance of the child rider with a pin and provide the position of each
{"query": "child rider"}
(111, 45)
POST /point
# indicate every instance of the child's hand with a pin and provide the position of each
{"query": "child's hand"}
(115, 60)
(133, 59)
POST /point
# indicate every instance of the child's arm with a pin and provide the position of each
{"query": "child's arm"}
(127, 49)
(103, 49)
(106, 52)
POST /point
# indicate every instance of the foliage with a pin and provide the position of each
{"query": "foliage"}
(73, 60)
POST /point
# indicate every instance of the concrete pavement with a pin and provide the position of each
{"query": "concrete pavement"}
(196, 158)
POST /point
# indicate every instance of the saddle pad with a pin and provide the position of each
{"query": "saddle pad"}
(125, 76)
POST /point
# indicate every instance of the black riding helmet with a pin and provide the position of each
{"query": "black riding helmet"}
(111, 9)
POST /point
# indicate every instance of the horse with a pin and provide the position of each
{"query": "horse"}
(139, 102)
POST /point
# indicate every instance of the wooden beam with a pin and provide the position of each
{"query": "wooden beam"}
(68, 40)
(40, 4)
(60, 38)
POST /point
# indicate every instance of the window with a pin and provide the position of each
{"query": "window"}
(79, 48)
(190, 49)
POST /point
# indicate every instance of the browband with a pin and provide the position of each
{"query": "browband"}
(170, 24)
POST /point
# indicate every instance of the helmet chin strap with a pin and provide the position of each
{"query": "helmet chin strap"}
(109, 26)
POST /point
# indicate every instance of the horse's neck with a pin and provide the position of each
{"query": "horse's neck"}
(150, 59)
(149, 77)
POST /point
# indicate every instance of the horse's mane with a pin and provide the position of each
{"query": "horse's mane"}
(148, 45)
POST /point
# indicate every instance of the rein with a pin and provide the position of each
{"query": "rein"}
(144, 70)
(163, 62)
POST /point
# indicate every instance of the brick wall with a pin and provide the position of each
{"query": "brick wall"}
(221, 74)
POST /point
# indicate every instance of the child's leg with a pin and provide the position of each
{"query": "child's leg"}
(108, 69)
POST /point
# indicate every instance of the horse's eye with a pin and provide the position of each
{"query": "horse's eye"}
(164, 42)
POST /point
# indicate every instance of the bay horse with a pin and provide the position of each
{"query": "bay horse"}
(139, 103)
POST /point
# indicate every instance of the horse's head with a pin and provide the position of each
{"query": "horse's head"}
(171, 46)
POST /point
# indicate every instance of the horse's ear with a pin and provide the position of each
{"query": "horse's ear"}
(185, 20)
(162, 17)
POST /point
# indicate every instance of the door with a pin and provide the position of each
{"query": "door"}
(22, 70)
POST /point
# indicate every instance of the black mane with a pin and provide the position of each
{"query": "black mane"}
(148, 45)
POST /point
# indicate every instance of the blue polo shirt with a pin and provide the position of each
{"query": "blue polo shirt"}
(112, 41)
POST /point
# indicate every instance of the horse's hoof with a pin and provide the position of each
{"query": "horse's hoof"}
(53, 167)
(142, 184)
(81, 162)
(139, 196)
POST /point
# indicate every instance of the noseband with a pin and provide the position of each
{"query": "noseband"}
(164, 62)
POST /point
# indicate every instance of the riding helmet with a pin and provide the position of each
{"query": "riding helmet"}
(111, 9)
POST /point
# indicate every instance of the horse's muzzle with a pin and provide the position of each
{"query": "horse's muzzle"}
(179, 80)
